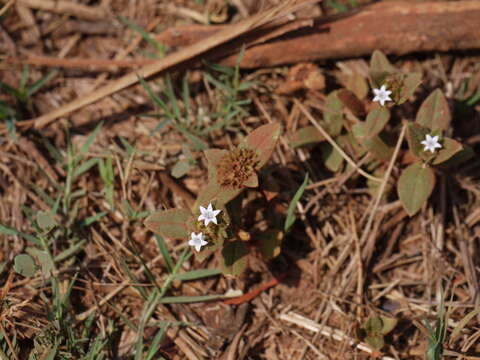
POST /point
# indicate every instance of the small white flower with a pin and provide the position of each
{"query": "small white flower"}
(197, 241)
(382, 95)
(431, 143)
(208, 215)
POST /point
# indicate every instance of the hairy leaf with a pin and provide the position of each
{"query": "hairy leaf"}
(333, 115)
(434, 112)
(263, 141)
(380, 68)
(449, 149)
(410, 83)
(376, 121)
(305, 136)
(415, 135)
(24, 265)
(415, 186)
(173, 223)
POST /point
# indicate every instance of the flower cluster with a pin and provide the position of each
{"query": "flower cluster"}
(207, 215)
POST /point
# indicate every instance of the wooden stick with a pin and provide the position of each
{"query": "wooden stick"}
(394, 27)
(173, 59)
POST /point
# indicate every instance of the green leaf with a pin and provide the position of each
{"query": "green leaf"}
(293, 203)
(333, 114)
(375, 342)
(388, 324)
(434, 112)
(305, 136)
(173, 223)
(415, 135)
(263, 141)
(379, 62)
(381, 146)
(410, 83)
(181, 168)
(449, 149)
(43, 258)
(234, 258)
(375, 122)
(332, 159)
(270, 243)
(460, 157)
(358, 85)
(46, 220)
(415, 186)
(373, 324)
(380, 68)
(24, 265)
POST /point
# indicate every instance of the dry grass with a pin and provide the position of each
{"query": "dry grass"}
(114, 291)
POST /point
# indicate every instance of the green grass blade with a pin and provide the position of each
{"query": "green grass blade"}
(291, 208)
(37, 85)
(162, 246)
(197, 274)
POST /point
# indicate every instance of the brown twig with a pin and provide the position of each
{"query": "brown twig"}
(394, 27)
(174, 59)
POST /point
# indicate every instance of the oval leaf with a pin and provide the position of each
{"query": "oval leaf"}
(263, 141)
(376, 121)
(410, 84)
(358, 85)
(24, 265)
(333, 115)
(380, 68)
(171, 223)
(434, 112)
(46, 220)
(380, 63)
(449, 148)
(415, 135)
(305, 136)
(415, 186)
(234, 258)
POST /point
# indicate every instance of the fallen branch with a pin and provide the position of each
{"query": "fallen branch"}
(394, 27)
(172, 60)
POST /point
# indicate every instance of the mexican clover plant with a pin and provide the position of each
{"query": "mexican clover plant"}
(212, 225)
(367, 130)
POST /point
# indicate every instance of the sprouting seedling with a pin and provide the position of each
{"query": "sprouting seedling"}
(373, 331)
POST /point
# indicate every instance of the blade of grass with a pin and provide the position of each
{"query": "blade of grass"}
(291, 208)
(162, 246)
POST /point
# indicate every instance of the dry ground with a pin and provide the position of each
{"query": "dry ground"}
(110, 265)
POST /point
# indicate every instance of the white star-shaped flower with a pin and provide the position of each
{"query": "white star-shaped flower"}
(197, 241)
(431, 143)
(208, 215)
(382, 95)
